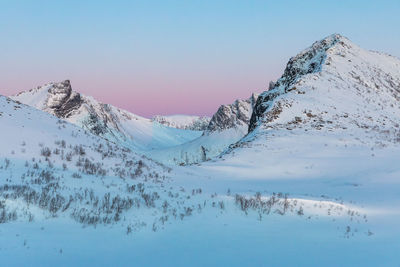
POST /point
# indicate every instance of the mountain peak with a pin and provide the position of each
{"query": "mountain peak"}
(328, 74)
(333, 39)
(62, 100)
(58, 92)
(311, 59)
(60, 87)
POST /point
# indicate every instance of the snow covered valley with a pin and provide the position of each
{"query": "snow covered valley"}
(310, 176)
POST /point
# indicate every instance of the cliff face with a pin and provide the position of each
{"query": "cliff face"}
(62, 100)
(55, 98)
(234, 115)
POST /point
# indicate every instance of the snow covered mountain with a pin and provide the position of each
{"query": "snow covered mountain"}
(50, 168)
(332, 95)
(186, 122)
(227, 126)
(334, 84)
(104, 120)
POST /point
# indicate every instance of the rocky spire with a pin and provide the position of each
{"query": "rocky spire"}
(62, 100)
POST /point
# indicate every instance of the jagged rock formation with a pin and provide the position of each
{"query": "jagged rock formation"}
(185, 122)
(62, 101)
(104, 120)
(233, 116)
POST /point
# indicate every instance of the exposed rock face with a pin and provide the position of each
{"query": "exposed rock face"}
(62, 100)
(306, 62)
(233, 115)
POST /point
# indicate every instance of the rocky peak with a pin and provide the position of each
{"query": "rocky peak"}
(306, 62)
(61, 100)
(233, 115)
(310, 60)
(63, 87)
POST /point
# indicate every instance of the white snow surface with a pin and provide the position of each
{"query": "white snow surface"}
(203, 148)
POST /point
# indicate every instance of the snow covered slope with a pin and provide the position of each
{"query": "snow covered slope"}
(227, 126)
(334, 84)
(107, 121)
(333, 98)
(51, 169)
(56, 177)
(186, 122)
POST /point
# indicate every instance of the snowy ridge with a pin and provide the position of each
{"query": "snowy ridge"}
(185, 122)
(347, 101)
(329, 77)
(104, 120)
(227, 126)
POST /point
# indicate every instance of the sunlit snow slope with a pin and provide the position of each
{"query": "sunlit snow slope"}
(334, 100)
(105, 120)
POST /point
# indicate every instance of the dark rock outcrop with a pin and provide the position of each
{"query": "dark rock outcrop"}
(233, 115)
(62, 100)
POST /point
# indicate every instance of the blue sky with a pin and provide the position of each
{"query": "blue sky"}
(176, 56)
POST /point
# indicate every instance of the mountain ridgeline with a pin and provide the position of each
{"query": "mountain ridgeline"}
(333, 84)
(107, 121)
(333, 69)
(333, 88)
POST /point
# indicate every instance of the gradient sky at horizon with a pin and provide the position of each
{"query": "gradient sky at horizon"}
(176, 57)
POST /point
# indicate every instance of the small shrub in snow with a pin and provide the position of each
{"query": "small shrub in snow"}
(7, 163)
(45, 152)
(76, 175)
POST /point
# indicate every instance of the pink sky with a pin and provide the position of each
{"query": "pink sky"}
(185, 57)
(149, 94)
